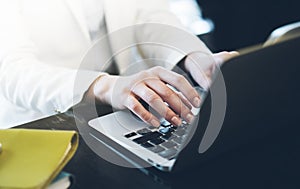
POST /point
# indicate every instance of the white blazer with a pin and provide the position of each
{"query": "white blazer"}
(42, 43)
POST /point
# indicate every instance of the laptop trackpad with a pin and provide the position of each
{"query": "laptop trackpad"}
(117, 123)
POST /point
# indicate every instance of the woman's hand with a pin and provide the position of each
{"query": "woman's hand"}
(201, 66)
(151, 86)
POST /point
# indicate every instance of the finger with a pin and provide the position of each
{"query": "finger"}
(138, 109)
(171, 97)
(156, 102)
(179, 82)
(184, 100)
(222, 57)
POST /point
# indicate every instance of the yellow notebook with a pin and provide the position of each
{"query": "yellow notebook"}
(32, 158)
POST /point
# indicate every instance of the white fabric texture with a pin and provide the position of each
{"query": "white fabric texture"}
(42, 44)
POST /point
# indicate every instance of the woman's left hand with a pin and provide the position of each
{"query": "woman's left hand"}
(201, 66)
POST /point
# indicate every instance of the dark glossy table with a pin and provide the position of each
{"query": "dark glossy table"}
(272, 162)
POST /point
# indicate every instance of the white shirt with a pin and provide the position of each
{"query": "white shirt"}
(42, 44)
(94, 16)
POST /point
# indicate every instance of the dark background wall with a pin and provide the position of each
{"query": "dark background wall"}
(240, 23)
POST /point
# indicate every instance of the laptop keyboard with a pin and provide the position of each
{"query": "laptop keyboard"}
(164, 140)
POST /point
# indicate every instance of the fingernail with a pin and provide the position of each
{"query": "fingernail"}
(196, 101)
(234, 53)
(155, 123)
(176, 121)
(190, 118)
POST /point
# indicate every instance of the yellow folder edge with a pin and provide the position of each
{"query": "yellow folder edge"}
(31, 158)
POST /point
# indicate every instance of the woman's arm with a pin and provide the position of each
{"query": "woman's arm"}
(26, 81)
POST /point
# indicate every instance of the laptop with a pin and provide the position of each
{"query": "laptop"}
(262, 97)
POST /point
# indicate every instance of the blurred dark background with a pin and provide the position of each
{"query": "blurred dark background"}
(241, 23)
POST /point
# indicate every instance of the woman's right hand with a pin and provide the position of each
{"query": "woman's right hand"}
(151, 86)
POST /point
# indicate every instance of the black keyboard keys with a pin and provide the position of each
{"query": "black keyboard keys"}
(130, 134)
(168, 136)
(147, 137)
(147, 145)
(165, 140)
(157, 141)
(143, 131)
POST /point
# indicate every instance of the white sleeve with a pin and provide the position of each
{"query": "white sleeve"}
(150, 29)
(177, 41)
(25, 80)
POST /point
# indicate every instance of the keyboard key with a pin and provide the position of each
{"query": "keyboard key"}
(178, 140)
(169, 153)
(157, 141)
(165, 123)
(164, 129)
(147, 137)
(172, 129)
(130, 134)
(183, 126)
(169, 144)
(156, 149)
(152, 127)
(168, 136)
(179, 132)
(147, 145)
(143, 131)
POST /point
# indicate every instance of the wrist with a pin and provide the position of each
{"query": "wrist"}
(91, 95)
(199, 60)
(102, 88)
